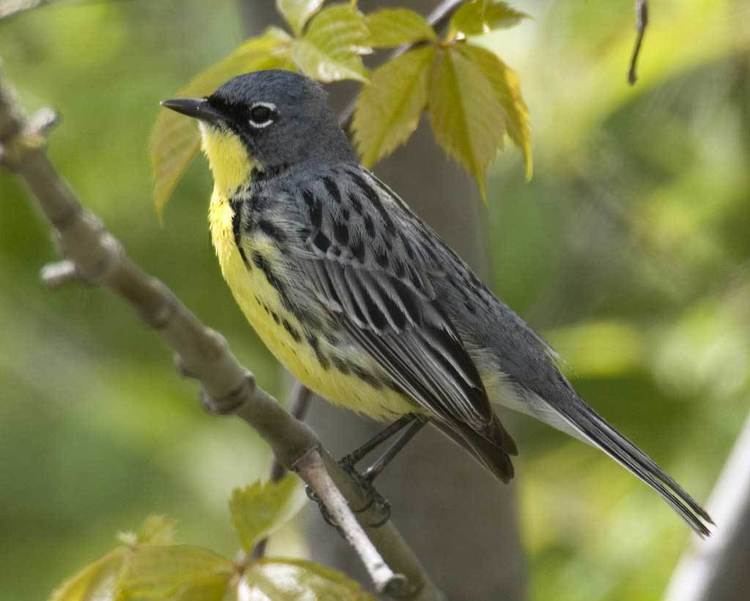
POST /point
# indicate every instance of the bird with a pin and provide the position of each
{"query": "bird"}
(362, 301)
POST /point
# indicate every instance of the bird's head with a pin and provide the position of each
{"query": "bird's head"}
(269, 119)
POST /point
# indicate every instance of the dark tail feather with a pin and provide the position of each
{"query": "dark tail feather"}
(492, 448)
(622, 450)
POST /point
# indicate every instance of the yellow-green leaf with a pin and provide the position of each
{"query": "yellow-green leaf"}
(474, 101)
(175, 140)
(176, 573)
(291, 580)
(466, 117)
(389, 108)
(260, 508)
(396, 26)
(481, 16)
(98, 581)
(507, 88)
(297, 12)
(331, 47)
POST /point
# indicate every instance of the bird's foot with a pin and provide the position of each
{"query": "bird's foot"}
(376, 505)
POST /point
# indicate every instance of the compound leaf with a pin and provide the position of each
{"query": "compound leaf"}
(291, 579)
(397, 26)
(482, 16)
(98, 581)
(297, 12)
(260, 508)
(389, 108)
(330, 48)
(175, 572)
(473, 103)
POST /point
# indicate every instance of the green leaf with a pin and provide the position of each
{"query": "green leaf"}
(397, 26)
(291, 580)
(471, 99)
(331, 47)
(507, 88)
(482, 16)
(98, 581)
(297, 12)
(260, 508)
(175, 139)
(389, 108)
(175, 573)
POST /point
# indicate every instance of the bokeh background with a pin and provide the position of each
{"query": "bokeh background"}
(629, 250)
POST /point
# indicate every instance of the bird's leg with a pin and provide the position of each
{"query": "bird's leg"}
(410, 424)
(381, 462)
(389, 432)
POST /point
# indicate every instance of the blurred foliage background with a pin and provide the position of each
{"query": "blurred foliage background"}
(629, 250)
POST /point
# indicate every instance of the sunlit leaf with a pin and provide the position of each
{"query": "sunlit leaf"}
(396, 26)
(297, 12)
(156, 530)
(260, 508)
(291, 580)
(331, 47)
(482, 16)
(175, 573)
(388, 109)
(466, 116)
(507, 88)
(175, 139)
(98, 581)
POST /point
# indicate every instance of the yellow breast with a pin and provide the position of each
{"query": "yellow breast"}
(284, 335)
(279, 329)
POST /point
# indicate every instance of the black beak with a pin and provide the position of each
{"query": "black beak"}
(197, 108)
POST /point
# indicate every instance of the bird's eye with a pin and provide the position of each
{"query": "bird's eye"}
(262, 114)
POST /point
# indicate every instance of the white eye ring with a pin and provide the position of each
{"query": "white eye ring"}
(272, 113)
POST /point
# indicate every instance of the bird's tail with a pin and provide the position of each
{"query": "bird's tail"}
(594, 429)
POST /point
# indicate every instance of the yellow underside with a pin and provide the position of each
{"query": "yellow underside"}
(254, 294)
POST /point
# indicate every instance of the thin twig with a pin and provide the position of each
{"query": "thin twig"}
(314, 472)
(641, 23)
(298, 406)
(203, 353)
(439, 16)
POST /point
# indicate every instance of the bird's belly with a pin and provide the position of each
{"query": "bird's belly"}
(286, 337)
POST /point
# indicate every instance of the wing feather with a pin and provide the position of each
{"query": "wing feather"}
(381, 294)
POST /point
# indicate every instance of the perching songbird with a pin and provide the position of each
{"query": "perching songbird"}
(361, 300)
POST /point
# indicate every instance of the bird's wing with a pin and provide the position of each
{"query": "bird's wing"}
(365, 268)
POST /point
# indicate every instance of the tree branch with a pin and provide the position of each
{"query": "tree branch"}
(96, 256)
(298, 406)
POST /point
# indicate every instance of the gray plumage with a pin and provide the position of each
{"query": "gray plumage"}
(356, 257)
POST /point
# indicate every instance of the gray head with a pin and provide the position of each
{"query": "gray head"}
(281, 117)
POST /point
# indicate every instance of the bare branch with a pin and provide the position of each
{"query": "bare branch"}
(313, 471)
(202, 353)
(641, 23)
(300, 403)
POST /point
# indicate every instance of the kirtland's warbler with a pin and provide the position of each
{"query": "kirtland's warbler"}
(361, 300)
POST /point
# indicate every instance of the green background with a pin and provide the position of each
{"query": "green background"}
(629, 250)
